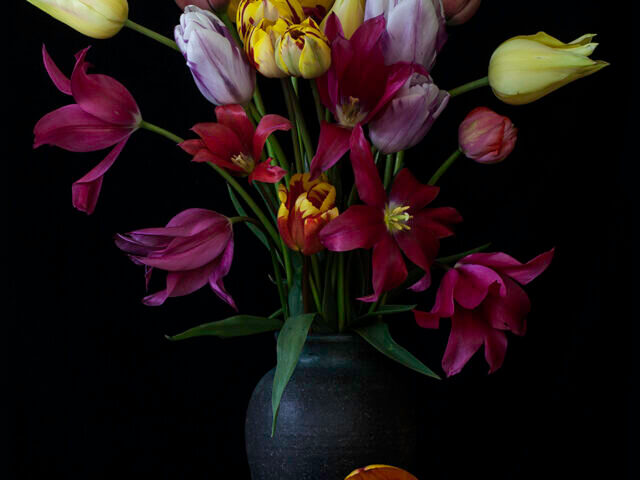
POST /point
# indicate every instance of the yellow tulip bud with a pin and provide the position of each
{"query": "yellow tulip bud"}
(303, 50)
(94, 18)
(528, 67)
(260, 45)
(250, 12)
(350, 13)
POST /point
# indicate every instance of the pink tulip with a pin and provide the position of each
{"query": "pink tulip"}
(205, 4)
(105, 115)
(392, 226)
(196, 248)
(483, 298)
(486, 137)
(235, 145)
(460, 11)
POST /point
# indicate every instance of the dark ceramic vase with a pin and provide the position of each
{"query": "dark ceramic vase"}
(346, 406)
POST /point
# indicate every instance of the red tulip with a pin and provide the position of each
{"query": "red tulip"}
(483, 298)
(235, 145)
(460, 11)
(487, 137)
(196, 248)
(392, 226)
(105, 115)
(356, 87)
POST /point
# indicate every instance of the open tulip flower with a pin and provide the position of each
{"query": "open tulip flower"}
(380, 472)
(195, 247)
(391, 225)
(356, 87)
(483, 298)
(105, 115)
(235, 145)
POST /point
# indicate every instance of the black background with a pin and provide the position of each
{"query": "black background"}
(97, 392)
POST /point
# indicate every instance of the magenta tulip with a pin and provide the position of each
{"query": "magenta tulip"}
(487, 137)
(483, 298)
(357, 86)
(460, 11)
(195, 248)
(105, 115)
(235, 145)
(392, 226)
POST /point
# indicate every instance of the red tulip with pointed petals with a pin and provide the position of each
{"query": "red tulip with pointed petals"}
(392, 225)
(105, 115)
(356, 87)
(235, 145)
(483, 298)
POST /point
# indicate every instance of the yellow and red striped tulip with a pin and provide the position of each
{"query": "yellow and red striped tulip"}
(260, 46)
(380, 472)
(303, 51)
(250, 12)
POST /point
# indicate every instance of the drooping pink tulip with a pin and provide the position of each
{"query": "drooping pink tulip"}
(105, 114)
(235, 145)
(460, 11)
(356, 87)
(195, 248)
(483, 298)
(486, 137)
(392, 225)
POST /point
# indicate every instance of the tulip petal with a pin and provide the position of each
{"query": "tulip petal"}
(509, 311)
(444, 305)
(466, 337)
(266, 173)
(439, 220)
(205, 156)
(268, 124)
(422, 284)
(396, 78)
(360, 226)
(192, 146)
(332, 145)
(221, 269)
(85, 191)
(59, 79)
(103, 96)
(234, 117)
(495, 348)
(507, 265)
(220, 140)
(181, 283)
(367, 180)
(73, 129)
(473, 285)
(406, 190)
(388, 268)
(426, 319)
(421, 247)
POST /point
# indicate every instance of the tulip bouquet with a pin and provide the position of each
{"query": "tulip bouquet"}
(345, 222)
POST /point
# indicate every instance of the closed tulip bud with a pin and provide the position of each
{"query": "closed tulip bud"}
(305, 209)
(380, 472)
(528, 67)
(93, 18)
(261, 43)
(303, 51)
(350, 13)
(251, 12)
(486, 137)
(460, 11)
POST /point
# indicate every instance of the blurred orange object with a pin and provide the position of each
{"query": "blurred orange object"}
(380, 472)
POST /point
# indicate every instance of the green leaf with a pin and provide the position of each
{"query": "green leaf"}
(290, 342)
(379, 337)
(237, 326)
(296, 304)
(388, 310)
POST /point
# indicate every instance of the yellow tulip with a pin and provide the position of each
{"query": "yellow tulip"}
(528, 67)
(232, 10)
(380, 472)
(250, 12)
(94, 18)
(260, 45)
(303, 51)
(350, 13)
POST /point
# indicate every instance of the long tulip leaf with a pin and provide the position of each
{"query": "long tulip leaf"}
(290, 343)
(237, 326)
(388, 310)
(379, 337)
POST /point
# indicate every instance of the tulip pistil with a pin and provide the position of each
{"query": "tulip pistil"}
(350, 113)
(245, 162)
(396, 218)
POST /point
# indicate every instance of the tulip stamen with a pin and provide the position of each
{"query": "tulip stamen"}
(350, 113)
(396, 218)
(245, 162)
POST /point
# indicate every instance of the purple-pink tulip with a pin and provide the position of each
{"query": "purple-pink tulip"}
(195, 248)
(393, 225)
(460, 11)
(483, 298)
(415, 29)
(105, 114)
(409, 116)
(486, 137)
(205, 4)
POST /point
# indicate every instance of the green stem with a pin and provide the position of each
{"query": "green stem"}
(458, 256)
(316, 273)
(257, 98)
(151, 34)
(287, 263)
(314, 293)
(388, 171)
(467, 87)
(399, 162)
(340, 292)
(300, 121)
(292, 118)
(444, 167)
(317, 102)
(305, 284)
(161, 131)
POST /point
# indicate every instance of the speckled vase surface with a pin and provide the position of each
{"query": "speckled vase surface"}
(346, 406)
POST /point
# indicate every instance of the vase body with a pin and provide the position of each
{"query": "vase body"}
(346, 406)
